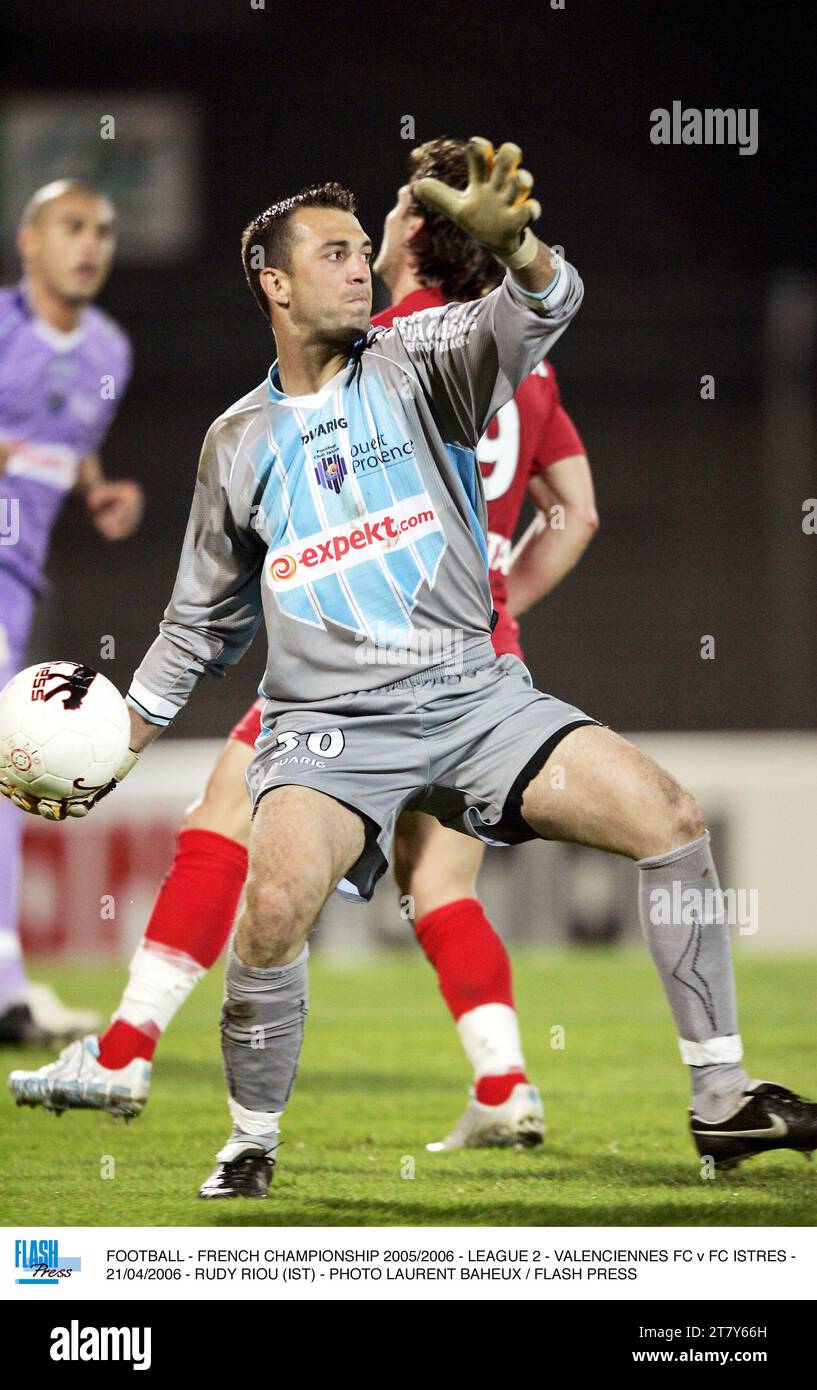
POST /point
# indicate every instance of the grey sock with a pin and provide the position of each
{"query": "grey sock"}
(683, 922)
(262, 1027)
(717, 1090)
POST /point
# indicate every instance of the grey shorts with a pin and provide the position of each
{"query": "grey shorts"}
(461, 746)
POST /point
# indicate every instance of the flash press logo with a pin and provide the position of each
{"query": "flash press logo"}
(40, 1262)
(75, 1343)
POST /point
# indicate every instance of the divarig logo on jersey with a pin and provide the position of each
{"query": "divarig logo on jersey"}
(325, 427)
(351, 543)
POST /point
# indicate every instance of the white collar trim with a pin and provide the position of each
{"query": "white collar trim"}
(59, 341)
(318, 398)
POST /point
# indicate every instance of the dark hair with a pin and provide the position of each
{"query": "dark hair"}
(271, 233)
(445, 255)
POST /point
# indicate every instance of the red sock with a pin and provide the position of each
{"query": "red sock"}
(473, 969)
(471, 963)
(121, 1042)
(493, 1090)
(196, 904)
(192, 917)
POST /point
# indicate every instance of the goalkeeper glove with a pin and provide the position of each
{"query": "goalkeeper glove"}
(495, 208)
(54, 808)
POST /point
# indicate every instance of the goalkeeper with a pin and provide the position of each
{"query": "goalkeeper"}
(355, 575)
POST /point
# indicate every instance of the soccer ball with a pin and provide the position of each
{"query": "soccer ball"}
(64, 730)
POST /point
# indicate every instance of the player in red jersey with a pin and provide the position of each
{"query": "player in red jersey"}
(531, 449)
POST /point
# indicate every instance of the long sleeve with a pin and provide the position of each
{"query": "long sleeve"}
(471, 358)
(215, 607)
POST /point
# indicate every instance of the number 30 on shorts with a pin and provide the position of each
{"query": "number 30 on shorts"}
(329, 743)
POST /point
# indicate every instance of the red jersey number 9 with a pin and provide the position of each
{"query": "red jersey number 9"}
(498, 457)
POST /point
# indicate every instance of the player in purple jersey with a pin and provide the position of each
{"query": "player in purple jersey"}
(64, 367)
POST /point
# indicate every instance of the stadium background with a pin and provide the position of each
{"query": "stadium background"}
(696, 262)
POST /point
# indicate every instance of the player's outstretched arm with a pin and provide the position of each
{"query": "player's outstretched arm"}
(470, 358)
(496, 209)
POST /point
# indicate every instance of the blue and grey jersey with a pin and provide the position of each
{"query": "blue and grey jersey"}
(351, 520)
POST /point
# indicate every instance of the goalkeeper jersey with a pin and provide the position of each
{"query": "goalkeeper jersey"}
(351, 520)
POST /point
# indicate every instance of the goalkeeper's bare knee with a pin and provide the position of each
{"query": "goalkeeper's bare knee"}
(274, 923)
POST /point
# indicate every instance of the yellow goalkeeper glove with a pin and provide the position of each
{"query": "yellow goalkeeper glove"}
(496, 207)
(81, 807)
(52, 808)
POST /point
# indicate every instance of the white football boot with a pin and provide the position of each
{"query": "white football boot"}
(50, 1014)
(76, 1081)
(519, 1122)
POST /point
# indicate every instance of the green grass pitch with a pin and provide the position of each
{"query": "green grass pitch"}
(382, 1073)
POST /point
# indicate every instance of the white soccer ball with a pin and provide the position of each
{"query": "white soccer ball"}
(64, 730)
